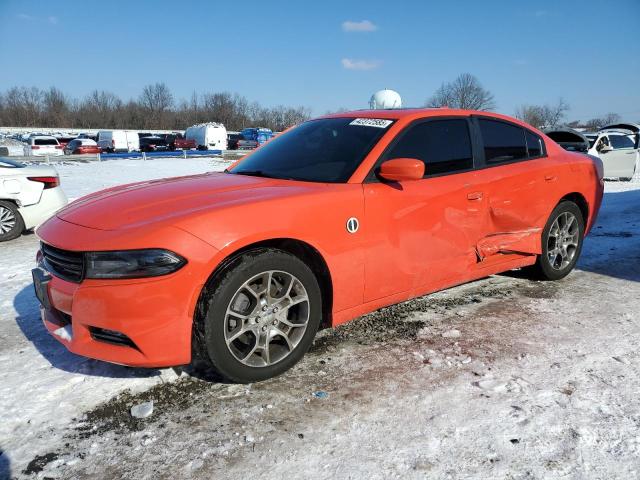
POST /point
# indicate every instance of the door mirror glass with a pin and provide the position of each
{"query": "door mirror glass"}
(605, 148)
(402, 169)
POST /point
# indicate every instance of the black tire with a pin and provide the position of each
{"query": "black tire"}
(9, 208)
(543, 268)
(217, 297)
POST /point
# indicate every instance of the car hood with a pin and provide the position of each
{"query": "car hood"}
(169, 199)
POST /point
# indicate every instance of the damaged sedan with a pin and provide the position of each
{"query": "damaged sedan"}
(337, 217)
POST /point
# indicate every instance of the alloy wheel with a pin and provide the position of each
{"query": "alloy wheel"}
(266, 318)
(562, 242)
(7, 220)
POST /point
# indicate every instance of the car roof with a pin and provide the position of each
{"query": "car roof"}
(417, 113)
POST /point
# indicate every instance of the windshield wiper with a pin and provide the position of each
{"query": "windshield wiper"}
(252, 173)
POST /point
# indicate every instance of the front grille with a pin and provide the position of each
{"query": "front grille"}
(65, 264)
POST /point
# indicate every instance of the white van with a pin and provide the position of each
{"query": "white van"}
(119, 140)
(208, 136)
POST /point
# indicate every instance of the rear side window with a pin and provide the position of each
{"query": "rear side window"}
(45, 141)
(620, 141)
(443, 145)
(534, 144)
(503, 142)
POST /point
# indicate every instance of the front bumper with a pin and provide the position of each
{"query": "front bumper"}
(153, 317)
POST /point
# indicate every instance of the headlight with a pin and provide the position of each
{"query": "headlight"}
(132, 263)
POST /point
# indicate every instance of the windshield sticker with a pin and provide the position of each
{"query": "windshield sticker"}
(371, 122)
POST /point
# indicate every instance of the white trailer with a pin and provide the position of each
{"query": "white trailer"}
(208, 136)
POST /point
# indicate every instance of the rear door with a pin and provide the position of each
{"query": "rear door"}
(521, 183)
(421, 234)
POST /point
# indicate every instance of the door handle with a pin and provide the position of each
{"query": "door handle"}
(474, 196)
(551, 178)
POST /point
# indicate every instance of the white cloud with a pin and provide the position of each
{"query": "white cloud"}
(352, 64)
(363, 26)
(53, 20)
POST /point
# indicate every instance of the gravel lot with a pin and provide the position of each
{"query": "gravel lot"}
(500, 378)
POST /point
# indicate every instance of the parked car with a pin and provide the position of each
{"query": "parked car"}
(81, 146)
(208, 136)
(257, 135)
(232, 140)
(64, 139)
(118, 141)
(90, 136)
(28, 196)
(198, 265)
(176, 141)
(618, 150)
(42, 145)
(569, 139)
(153, 144)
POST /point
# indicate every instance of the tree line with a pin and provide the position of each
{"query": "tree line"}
(466, 92)
(155, 108)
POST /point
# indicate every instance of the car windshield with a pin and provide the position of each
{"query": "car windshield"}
(6, 163)
(325, 150)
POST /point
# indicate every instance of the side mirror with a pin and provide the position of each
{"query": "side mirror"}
(605, 148)
(402, 169)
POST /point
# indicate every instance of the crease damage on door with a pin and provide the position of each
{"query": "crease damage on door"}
(525, 242)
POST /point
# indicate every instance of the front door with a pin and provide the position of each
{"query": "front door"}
(421, 234)
(619, 162)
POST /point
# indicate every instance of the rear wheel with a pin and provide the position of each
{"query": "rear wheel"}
(11, 222)
(261, 316)
(562, 239)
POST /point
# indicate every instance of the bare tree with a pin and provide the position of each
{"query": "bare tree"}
(56, 108)
(464, 92)
(156, 100)
(599, 122)
(543, 116)
(155, 108)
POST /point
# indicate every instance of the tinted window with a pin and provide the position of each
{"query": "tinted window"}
(443, 145)
(534, 144)
(325, 150)
(503, 142)
(620, 141)
(45, 141)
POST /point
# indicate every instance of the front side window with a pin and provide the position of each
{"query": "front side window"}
(325, 150)
(503, 142)
(443, 145)
(621, 141)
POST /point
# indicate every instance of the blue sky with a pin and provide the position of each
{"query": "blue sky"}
(303, 53)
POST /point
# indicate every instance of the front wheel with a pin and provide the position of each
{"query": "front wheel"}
(11, 222)
(261, 316)
(562, 239)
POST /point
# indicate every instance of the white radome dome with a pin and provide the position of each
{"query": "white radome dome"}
(385, 99)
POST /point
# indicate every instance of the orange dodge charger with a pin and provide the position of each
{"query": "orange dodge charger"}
(334, 218)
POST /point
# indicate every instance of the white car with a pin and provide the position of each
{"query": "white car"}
(28, 196)
(42, 145)
(618, 148)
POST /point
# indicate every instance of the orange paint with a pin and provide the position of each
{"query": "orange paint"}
(415, 236)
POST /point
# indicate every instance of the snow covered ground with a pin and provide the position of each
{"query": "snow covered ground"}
(500, 378)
